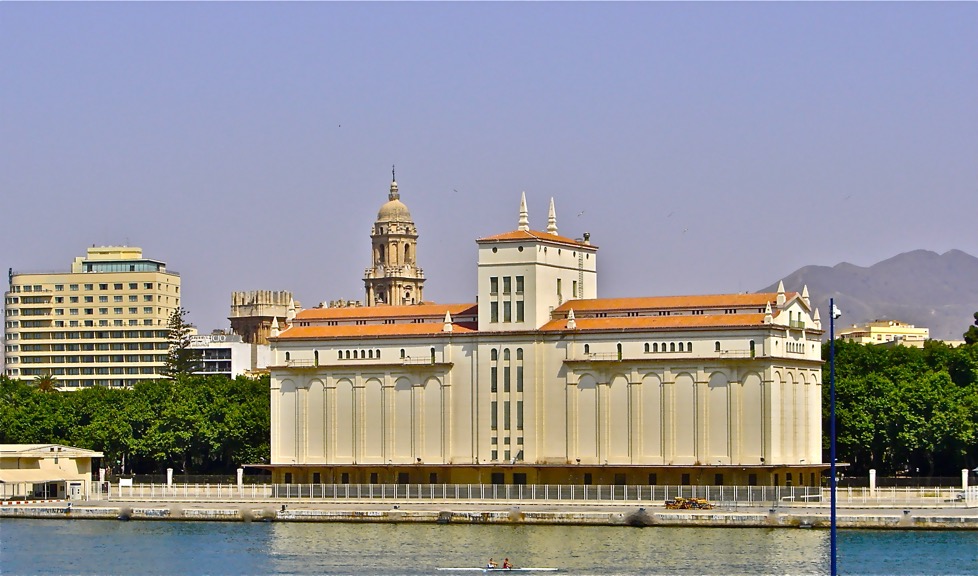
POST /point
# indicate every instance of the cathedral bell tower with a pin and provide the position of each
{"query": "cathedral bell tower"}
(394, 277)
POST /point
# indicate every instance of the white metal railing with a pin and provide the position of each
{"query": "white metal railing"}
(723, 496)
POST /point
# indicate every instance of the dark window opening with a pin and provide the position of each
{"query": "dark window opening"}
(685, 480)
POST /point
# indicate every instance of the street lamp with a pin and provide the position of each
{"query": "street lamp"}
(833, 314)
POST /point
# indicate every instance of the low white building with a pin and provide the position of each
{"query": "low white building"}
(541, 381)
(229, 355)
(46, 471)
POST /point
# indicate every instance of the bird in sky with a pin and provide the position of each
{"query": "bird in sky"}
(581, 213)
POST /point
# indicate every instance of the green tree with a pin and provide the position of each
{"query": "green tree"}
(181, 358)
(971, 336)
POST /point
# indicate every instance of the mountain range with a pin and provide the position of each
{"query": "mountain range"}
(923, 288)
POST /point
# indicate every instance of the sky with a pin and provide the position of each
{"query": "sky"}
(706, 147)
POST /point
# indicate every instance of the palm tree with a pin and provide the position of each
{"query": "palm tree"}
(46, 383)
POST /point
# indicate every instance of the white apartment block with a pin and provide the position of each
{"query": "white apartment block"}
(104, 323)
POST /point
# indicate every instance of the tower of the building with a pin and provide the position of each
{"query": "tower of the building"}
(394, 277)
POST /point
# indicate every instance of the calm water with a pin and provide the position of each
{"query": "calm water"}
(110, 547)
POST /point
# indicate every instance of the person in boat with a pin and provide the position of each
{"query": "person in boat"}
(491, 563)
(506, 564)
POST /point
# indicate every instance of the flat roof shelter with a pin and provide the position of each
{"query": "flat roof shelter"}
(45, 471)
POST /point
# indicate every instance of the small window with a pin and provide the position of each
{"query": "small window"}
(685, 480)
(587, 348)
(374, 478)
(288, 477)
(716, 346)
(653, 479)
(506, 354)
(752, 479)
(287, 356)
(619, 351)
(402, 352)
(680, 346)
(507, 284)
(587, 478)
(689, 346)
(317, 478)
(718, 479)
(519, 284)
(494, 285)
(672, 346)
(646, 347)
(493, 354)
(655, 346)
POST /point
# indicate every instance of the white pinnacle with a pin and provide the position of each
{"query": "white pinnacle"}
(552, 219)
(524, 215)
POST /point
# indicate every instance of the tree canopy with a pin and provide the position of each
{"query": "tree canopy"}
(181, 359)
(193, 424)
(904, 410)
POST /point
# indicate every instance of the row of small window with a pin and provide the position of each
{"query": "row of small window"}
(82, 324)
(493, 415)
(669, 347)
(796, 347)
(118, 370)
(107, 359)
(506, 441)
(507, 311)
(507, 285)
(96, 335)
(101, 347)
(89, 287)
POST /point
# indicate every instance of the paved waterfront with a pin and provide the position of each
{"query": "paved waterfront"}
(593, 513)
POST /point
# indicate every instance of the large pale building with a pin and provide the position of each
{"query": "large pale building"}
(104, 323)
(886, 332)
(541, 381)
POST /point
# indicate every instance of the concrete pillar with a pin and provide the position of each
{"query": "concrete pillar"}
(964, 478)
(101, 475)
(240, 477)
(872, 480)
(169, 476)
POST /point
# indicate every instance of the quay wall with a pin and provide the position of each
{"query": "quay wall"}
(968, 520)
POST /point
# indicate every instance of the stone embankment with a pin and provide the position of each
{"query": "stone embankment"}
(949, 519)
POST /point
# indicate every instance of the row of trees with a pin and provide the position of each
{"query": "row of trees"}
(903, 410)
(193, 424)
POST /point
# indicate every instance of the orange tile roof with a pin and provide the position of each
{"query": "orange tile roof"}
(659, 322)
(673, 302)
(380, 312)
(517, 235)
(372, 331)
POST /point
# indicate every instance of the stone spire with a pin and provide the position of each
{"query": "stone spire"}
(781, 296)
(817, 318)
(290, 312)
(447, 326)
(275, 329)
(552, 219)
(571, 322)
(524, 223)
(768, 314)
(804, 296)
(393, 194)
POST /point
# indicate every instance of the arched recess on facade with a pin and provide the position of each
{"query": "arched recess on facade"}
(432, 418)
(373, 434)
(718, 418)
(402, 419)
(287, 420)
(788, 408)
(619, 418)
(343, 413)
(650, 436)
(751, 419)
(587, 418)
(316, 421)
(684, 410)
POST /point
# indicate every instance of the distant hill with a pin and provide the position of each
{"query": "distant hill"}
(923, 288)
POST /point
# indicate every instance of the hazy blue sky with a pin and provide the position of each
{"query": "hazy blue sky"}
(707, 147)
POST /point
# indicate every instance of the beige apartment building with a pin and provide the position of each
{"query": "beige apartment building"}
(541, 381)
(886, 332)
(104, 323)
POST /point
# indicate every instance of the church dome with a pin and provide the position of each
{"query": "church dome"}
(394, 210)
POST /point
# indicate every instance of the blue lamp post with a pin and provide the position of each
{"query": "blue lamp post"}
(833, 314)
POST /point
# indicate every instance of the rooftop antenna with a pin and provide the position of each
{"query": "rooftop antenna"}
(393, 179)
